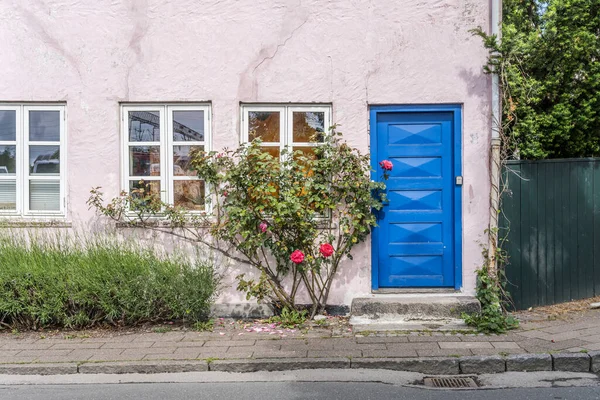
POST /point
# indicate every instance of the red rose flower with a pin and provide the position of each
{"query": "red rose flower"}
(297, 257)
(326, 250)
(263, 226)
(386, 165)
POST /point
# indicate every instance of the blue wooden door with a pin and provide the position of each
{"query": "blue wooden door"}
(415, 244)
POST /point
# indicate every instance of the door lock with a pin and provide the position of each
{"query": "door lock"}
(459, 181)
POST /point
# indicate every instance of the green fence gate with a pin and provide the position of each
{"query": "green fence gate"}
(551, 224)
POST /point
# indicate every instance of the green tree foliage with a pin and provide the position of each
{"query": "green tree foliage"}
(549, 66)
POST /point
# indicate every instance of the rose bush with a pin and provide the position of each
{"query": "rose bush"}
(284, 217)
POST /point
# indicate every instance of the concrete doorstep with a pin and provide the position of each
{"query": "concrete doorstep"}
(565, 362)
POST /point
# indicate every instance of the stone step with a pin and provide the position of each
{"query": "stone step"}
(411, 312)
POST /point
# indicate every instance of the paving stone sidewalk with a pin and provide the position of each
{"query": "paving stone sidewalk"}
(574, 334)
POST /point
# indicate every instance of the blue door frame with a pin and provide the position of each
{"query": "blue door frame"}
(456, 190)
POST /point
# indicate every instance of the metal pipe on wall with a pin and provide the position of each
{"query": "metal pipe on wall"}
(495, 160)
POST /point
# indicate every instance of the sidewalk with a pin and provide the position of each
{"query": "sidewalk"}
(573, 342)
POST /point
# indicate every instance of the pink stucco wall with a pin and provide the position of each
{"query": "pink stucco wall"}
(93, 54)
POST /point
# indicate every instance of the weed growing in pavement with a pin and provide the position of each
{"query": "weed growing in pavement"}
(205, 326)
(289, 318)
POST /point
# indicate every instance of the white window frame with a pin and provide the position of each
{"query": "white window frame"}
(22, 175)
(286, 123)
(166, 144)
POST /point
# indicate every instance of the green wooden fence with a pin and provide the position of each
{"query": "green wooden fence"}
(551, 224)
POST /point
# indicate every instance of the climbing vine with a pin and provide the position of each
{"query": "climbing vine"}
(492, 294)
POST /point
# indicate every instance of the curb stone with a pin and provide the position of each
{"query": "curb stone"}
(430, 365)
(595, 358)
(482, 365)
(529, 362)
(270, 364)
(572, 362)
(566, 362)
(39, 369)
(142, 367)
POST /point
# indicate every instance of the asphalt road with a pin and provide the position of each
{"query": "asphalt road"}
(281, 391)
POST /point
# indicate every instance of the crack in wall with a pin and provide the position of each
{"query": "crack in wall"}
(139, 14)
(49, 40)
(280, 45)
(248, 80)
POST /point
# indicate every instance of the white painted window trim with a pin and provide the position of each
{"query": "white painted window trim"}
(286, 122)
(22, 176)
(166, 143)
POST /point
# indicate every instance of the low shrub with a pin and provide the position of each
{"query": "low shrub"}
(73, 283)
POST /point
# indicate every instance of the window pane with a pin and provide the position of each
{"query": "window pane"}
(144, 160)
(8, 195)
(44, 195)
(189, 194)
(264, 126)
(144, 126)
(44, 160)
(8, 125)
(273, 151)
(188, 126)
(8, 160)
(309, 126)
(149, 187)
(44, 126)
(181, 160)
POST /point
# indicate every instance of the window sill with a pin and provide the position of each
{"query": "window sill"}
(9, 222)
(158, 223)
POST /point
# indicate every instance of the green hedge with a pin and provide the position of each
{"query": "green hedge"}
(59, 282)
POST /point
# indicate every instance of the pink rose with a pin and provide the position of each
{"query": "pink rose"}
(225, 193)
(386, 165)
(263, 226)
(326, 250)
(297, 257)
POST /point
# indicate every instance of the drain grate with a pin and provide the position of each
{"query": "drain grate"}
(451, 382)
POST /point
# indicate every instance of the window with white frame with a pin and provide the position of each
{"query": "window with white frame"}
(298, 127)
(157, 143)
(32, 160)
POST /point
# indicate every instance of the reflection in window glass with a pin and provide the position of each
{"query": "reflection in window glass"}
(8, 160)
(264, 125)
(188, 126)
(182, 160)
(44, 126)
(144, 189)
(44, 160)
(308, 126)
(8, 125)
(144, 160)
(273, 151)
(144, 126)
(150, 186)
(189, 194)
